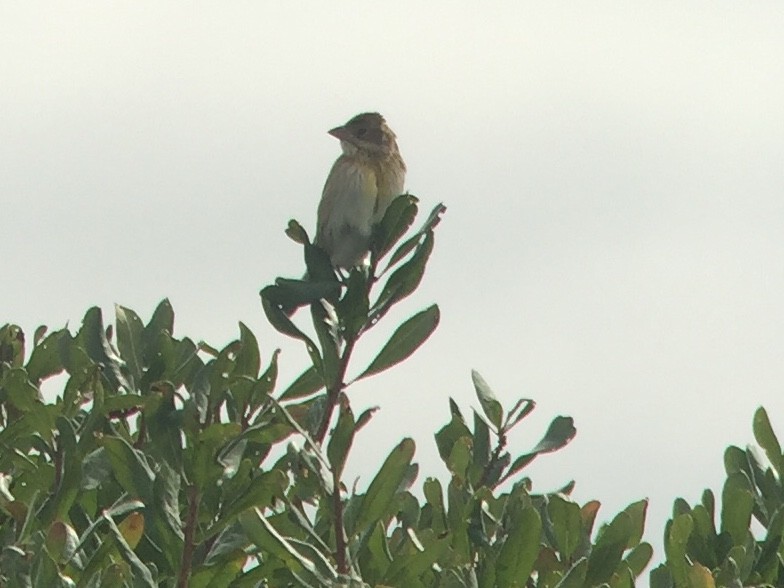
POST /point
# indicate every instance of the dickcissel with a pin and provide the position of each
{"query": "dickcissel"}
(360, 186)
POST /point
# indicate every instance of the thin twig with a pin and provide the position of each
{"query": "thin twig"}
(333, 392)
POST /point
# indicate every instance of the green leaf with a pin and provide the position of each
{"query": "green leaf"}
(375, 558)
(45, 359)
(403, 280)
(517, 557)
(283, 324)
(308, 383)
(141, 573)
(271, 542)
(434, 495)
(130, 330)
(430, 223)
(525, 406)
(612, 541)
(341, 439)
(622, 578)
(448, 435)
(61, 541)
(575, 577)
(93, 335)
(96, 468)
(324, 323)
(559, 433)
(255, 394)
(130, 467)
(639, 557)
(119, 406)
(398, 217)
(353, 307)
(567, 524)
(675, 540)
(202, 466)
(248, 360)
(737, 506)
(700, 577)
(404, 341)
(287, 295)
(735, 460)
(20, 392)
(164, 424)
(460, 458)
(221, 574)
(265, 488)
(636, 512)
(490, 405)
(518, 464)
(39, 334)
(407, 569)
(296, 233)
(660, 577)
(382, 490)
(729, 574)
(480, 450)
(161, 323)
(364, 417)
(12, 345)
(763, 433)
(319, 266)
(709, 502)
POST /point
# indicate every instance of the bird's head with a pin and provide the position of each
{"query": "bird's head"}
(367, 133)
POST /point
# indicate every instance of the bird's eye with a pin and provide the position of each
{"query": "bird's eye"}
(361, 132)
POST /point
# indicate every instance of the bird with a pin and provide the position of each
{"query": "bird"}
(363, 181)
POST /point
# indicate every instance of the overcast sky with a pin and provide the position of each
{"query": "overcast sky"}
(613, 172)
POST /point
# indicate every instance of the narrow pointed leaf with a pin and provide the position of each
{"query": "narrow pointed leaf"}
(309, 382)
(398, 217)
(560, 432)
(404, 341)
(575, 577)
(763, 433)
(490, 405)
(130, 330)
(248, 360)
(45, 359)
(378, 500)
(341, 439)
(283, 324)
(612, 541)
(432, 220)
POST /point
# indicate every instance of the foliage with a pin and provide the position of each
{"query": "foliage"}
(700, 554)
(166, 462)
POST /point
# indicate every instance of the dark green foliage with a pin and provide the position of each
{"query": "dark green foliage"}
(166, 462)
(701, 554)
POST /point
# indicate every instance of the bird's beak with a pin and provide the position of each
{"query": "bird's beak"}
(339, 133)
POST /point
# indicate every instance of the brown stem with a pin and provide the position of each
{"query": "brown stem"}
(333, 392)
(190, 537)
(493, 460)
(336, 387)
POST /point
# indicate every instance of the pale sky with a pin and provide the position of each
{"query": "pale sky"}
(613, 172)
